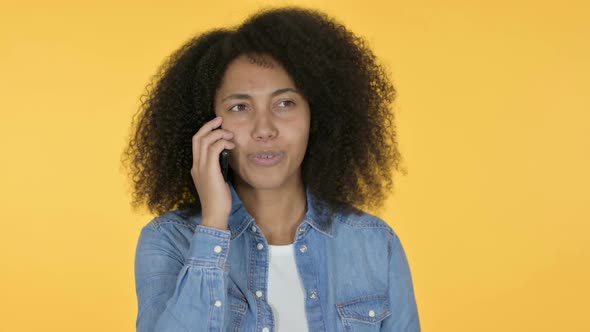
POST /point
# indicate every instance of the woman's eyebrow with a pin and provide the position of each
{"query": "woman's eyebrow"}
(279, 91)
(247, 96)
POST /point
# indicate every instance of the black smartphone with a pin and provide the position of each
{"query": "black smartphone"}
(224, 163)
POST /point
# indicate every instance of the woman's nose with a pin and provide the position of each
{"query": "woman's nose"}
(264, 128)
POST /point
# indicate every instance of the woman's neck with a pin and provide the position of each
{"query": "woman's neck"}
(277, 211)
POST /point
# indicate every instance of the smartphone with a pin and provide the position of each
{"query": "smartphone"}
(224, 163)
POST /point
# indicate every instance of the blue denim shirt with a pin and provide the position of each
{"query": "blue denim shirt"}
(191, 277)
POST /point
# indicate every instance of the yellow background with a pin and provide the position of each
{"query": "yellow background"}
(493, 122)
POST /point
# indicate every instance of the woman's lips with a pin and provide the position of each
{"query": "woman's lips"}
(266, 158)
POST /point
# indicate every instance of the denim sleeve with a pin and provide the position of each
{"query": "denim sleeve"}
(404, 312)
(176, 294)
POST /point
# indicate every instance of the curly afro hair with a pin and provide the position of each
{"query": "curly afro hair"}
(352, 148)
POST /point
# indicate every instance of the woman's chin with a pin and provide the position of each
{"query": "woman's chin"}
(263, 180)
(266, 181)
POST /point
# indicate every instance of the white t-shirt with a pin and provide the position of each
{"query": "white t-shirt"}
(286, 295)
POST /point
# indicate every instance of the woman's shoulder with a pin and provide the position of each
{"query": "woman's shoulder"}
(363, 230)
(359, 220)
(174, 219)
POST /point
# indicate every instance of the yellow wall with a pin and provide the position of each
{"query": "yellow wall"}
(493, 122)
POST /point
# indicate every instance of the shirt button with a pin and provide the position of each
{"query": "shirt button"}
(258, 293)
(218, 303)
(217, 249)
(313, 295)
(303, 248)
(266, 329)
(371, 313)
(301, 229)
(259, 246)
(254, 229)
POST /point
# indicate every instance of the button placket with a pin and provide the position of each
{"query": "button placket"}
(308, 275)
(260, 254)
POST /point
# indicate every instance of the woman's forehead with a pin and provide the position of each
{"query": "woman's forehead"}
(264, 61)
(253, 73)
(256, 61)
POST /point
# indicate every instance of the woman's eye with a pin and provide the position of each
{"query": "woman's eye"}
(238, 107)
(286, 103)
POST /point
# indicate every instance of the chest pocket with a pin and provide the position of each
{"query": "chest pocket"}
(238, 307)
(364, 314)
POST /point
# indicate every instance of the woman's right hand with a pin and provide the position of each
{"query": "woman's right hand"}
(214, 192)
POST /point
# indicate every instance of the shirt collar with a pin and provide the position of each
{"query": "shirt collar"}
(240, 219)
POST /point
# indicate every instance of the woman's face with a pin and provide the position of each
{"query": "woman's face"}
(269, 118)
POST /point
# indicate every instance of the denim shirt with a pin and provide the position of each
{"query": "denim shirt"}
(191, 277)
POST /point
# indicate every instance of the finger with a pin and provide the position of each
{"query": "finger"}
(206, 128)
(207, 141)
(214, 151)
(216, 135)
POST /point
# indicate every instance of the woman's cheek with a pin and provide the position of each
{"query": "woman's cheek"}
(239, 141)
